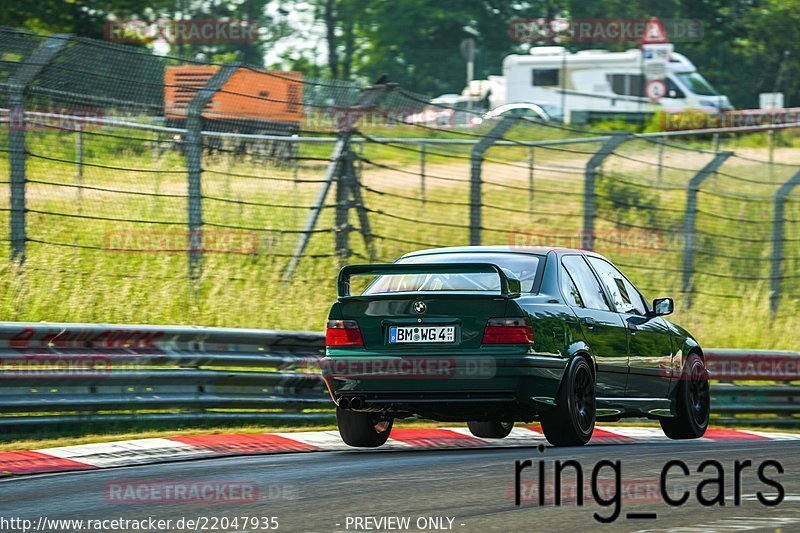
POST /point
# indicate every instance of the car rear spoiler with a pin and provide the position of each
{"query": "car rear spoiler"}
(509, 286)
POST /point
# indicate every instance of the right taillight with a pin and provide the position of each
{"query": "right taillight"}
(508, 331)
(343, 333)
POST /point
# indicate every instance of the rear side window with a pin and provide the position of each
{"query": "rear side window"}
(588, 287)
(524, 267)
(626, 298)
(570, 290)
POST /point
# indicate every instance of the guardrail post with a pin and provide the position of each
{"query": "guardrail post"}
(17, 85)
(476, 162)
(690, 219)
(777, 240)
(194, 150)
(590, 175)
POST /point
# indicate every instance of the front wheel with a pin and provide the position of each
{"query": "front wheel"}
(693, 402)
(493, 429)
(362, 430)
(571, 423)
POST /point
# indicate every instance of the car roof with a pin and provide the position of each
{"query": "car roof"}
(534, 250)
(517, 105)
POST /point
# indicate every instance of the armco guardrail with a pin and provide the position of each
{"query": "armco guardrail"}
(755, 386)
(55, 373)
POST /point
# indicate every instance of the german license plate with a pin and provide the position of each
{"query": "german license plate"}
(417, 334)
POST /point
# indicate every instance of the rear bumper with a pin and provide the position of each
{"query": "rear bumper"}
(446, 387)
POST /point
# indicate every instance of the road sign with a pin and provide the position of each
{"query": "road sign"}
(655, 58)
(655, 90)
(770, 100)
(654, 32)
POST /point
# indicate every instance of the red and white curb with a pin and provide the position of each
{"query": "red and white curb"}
(159, 450)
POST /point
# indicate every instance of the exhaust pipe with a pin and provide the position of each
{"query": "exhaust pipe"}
(356, 402)
(344, 403)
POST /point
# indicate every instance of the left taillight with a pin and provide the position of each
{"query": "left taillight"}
(343, 333)
(508, 331)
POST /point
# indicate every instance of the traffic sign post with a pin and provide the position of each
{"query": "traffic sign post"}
(656, 51)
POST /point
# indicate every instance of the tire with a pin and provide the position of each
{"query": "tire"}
(362, 430)
(493, 429)
(692, 404)
(571, 423)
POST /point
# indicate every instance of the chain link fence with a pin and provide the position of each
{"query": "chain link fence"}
(142, 188)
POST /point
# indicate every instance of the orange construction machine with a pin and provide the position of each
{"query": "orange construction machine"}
(252, 100)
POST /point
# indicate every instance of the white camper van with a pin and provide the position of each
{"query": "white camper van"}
(600, 83)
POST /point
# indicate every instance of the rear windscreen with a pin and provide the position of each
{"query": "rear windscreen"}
(521, 266)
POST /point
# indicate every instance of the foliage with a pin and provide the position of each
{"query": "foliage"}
(749, 46)
(625, 204)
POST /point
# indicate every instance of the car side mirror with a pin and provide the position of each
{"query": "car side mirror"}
(663, 306)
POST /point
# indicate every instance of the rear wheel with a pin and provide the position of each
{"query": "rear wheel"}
(693, 403)
(571, 423)
(493, 429)
(362, 430)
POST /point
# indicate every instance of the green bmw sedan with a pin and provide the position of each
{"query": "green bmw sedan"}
(493, 335)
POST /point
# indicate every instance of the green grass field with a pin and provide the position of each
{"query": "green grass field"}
(132, 194)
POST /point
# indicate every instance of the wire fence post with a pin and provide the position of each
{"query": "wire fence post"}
(590, 175)
(422, 172)
(771, 150)
(344, 179)
(690, 220)
(194, 168)
(354, 180)
(17, 85)
(660, 167)
(476, 162)
(777, 241)
(330, 176)
(79, 163)
(360, 171)
(531, 155)
(341, 164)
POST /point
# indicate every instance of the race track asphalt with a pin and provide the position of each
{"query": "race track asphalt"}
(326, 492)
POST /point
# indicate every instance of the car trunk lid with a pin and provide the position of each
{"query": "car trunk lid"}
(425, 320)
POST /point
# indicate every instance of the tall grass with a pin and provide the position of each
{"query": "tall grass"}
(94, 283)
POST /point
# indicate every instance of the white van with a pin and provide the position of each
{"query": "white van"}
(601, 82)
